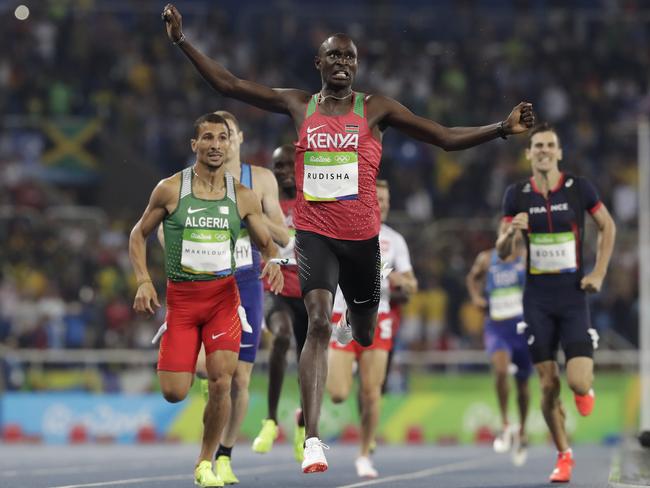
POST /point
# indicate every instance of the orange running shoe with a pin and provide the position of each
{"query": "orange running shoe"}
(585, 403)
(563, 468)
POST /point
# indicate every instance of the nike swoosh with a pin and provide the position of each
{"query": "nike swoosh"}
(360, 302)
(245, 345)
(191, 210)
(312, 129)
(217, 336)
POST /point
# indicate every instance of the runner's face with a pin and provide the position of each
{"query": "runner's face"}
(283, 168)
(211, 145)
(236, 139)
(383, 195)
(544, 152)
(337, 62)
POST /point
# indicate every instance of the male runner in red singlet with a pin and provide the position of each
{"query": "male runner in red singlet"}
(337, 214)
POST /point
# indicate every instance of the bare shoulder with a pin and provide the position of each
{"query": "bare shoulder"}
(295, 99)
(167, 189)
(483, 257)
(246, 197)
(378, 100)
(262, 174)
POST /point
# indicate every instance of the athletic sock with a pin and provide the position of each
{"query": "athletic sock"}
(223, 451)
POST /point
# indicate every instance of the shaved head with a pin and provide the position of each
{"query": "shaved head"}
(332, 40)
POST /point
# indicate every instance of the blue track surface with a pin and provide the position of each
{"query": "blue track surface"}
(36, 466)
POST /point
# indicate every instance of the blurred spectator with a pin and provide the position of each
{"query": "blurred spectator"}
(65, 280)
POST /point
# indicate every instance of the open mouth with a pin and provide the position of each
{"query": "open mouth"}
(341, 75)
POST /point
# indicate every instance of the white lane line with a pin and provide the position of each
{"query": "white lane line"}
(445, 468)
(186, 476)
(98, 468)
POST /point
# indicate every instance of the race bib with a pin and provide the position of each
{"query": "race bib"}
(553, 253)
(243, 250)
(506, 303)
(331, 176)
(206, 251)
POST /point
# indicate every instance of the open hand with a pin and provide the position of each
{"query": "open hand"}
(274, 275)
(146, 298)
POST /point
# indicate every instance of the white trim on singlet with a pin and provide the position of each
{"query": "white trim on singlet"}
(230, 188)
(186, 182)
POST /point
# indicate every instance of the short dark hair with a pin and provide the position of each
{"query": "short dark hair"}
(543, 127)
(211, 118)
(229, 116)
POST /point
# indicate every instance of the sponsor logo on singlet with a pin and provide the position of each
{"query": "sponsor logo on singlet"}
(319, 140)
(557, 207)
(207, 222)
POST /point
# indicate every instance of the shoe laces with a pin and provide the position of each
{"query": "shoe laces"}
(317, 444)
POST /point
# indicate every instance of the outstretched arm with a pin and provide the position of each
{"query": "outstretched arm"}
(393, 114)
(286, 101)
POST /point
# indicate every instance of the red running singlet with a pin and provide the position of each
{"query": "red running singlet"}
(337, 162)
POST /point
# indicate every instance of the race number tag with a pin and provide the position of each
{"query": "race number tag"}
(553, 253)
(243, 250)
(331, 176)
(206, 251)
(506, 303)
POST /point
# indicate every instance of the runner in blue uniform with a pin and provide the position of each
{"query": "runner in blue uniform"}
(502, 282)
(549, 210)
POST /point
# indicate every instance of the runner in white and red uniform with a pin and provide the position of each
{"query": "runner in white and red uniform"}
(337, 217)
(373, 359)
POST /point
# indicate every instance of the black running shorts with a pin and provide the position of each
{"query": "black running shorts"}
(295, 307)
(324, 262)
(560, 318)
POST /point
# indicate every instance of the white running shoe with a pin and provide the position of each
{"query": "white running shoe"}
(519, 453)
(314, 461)
(343, 330)
(503, 441)
(365, 469)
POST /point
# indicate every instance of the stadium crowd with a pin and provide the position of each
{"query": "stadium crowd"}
(65, 281)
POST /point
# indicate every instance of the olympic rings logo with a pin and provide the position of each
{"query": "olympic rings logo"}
(341, 158)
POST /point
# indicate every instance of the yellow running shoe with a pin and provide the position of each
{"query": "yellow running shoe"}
(204, 476)
(224, 471)
(203, 385)
(264, 440)
(298, 443)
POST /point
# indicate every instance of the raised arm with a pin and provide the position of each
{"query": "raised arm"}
(250, 210)
(476, 278)
(286, 101)
(387, 112)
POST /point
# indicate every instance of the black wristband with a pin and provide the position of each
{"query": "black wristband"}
(501, 132)
(181, 40)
